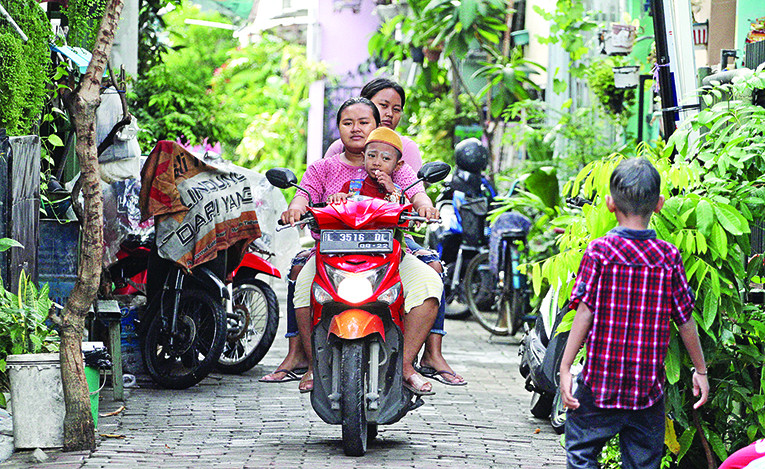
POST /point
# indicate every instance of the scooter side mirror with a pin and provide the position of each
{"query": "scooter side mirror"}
(282, 178)
(434, 171)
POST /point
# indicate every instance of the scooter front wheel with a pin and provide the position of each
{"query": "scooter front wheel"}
(181, 360)
(352, 366)
(252, 326)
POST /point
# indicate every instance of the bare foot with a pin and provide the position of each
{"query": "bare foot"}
(418, 385)
(306, 384)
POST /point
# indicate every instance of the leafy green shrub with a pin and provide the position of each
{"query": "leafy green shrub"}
(22, 321)
(433, 127)
(262, 93)
(617, 102)
(84, 18)
(24, 67)
(714, 192)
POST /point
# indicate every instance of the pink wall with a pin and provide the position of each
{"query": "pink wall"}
(344, 36)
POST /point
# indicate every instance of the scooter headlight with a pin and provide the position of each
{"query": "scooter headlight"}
(321, 295)
(356, 287)
(390, 295)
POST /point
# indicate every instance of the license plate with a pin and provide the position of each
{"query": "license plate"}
(350, 241)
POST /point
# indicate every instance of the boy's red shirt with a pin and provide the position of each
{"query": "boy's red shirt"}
(369, 188)
(633, 283)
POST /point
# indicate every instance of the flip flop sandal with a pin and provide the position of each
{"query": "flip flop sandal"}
(416, 387)
(439, 376)
(425, 370)
(289, 375)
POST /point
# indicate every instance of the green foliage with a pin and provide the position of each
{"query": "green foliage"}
(433, 127)
(617, 102)
(22, 323)
(84, 20)
(456, 24)
(253, 100)
(151, 46)
(262, 92)
(711, 201)
(508, 80)
(173, 100)
(568, 25)
(583, 136)
(24, 67)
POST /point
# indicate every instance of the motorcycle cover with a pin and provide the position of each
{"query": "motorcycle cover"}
(199, 207)
(508, 222)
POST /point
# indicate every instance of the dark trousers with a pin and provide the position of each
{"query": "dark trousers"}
(588, 428)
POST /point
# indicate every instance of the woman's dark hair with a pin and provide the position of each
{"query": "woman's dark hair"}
(379, 84)
(359, 100)
(635, 187)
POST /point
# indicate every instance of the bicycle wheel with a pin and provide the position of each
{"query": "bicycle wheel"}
(479, 284)
(252, 326)
(511, 303)
(183, 359)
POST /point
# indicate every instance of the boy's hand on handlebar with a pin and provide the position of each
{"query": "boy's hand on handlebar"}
(292, 215)
(337, 198)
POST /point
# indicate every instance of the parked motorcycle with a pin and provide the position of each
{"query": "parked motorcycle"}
(541, 353)
(463, 203)
(189, 325)
(357, 307)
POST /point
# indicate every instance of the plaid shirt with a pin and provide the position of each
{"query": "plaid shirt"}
(633, 283)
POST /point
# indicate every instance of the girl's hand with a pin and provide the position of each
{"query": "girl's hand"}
(292, 215)
(337, 198)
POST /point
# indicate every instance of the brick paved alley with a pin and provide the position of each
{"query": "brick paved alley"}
(237, 422)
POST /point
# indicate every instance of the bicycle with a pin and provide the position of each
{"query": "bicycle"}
(496, 270)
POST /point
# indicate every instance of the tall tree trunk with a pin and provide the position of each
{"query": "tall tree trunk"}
(79, 430)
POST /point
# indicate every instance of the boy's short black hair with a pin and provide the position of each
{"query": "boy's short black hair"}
(382, 83)
(359, 100)
(635, 187)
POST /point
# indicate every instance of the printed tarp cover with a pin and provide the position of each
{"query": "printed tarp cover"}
(199, 207)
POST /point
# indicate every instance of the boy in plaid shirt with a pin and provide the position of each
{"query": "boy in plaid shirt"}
(629, 286)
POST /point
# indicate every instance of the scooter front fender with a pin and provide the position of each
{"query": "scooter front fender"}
(251, 261)
(355, 324)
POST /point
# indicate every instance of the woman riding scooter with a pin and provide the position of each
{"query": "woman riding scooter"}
(389, 97)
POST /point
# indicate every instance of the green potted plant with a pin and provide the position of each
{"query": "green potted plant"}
(29, 364)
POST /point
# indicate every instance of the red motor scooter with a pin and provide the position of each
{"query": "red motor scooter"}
(357, 306)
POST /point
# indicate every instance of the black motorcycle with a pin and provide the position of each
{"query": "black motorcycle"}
(463, 204)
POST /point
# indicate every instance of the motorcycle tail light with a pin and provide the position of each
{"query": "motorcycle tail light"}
(390, 295)
(321, 295)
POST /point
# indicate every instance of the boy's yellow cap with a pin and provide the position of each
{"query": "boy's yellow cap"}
(386, 135)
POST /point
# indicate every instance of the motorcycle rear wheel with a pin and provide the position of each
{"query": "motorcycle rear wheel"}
(558, 414)
(511, 303)
(355, 428)
(456, 305)
(541, 405)
(251, 326)
(478, 280)
(191, 355)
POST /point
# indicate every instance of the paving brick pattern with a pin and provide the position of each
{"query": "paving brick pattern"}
(233, 422)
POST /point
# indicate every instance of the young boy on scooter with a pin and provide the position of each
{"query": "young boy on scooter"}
(422, 286)
(628, 287)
